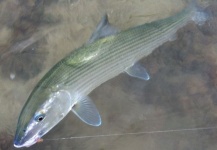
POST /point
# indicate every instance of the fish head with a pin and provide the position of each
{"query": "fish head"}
(35, 123)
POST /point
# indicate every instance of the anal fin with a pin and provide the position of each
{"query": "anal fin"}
(138, 71)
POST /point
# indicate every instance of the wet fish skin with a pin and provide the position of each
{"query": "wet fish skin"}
(84, 69)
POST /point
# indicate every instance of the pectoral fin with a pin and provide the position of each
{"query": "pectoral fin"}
(103, 29)
(85, 109)
(138, 71)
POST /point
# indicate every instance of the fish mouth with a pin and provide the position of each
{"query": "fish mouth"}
(18, 145)
(28, 143)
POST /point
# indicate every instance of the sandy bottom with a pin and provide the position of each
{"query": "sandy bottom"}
(181, 93)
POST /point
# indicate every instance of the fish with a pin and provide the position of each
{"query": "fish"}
(109, 52)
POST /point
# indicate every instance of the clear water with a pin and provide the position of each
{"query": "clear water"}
(175, 109)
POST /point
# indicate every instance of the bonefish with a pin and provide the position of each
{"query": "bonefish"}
(108, 53)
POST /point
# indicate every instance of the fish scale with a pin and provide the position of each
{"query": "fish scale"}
(125, 49)
(115, 55)
(130, 45)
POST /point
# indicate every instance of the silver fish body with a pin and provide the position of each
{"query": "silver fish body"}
(93, 64)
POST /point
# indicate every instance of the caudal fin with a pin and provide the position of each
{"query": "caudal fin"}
(199, 16)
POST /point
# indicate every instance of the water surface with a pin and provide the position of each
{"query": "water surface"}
(181, 93)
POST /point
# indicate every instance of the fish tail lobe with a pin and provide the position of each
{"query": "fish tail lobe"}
(199, 13)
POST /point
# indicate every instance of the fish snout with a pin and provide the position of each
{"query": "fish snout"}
(17, 144)
(26, 142)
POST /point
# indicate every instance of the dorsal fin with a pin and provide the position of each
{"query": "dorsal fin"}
(103, 29)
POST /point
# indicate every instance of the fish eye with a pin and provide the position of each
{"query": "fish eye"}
(39, 117)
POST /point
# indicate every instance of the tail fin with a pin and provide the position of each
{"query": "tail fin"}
(200, 16)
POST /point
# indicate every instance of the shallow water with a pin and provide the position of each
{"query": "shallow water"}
(181, 93)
